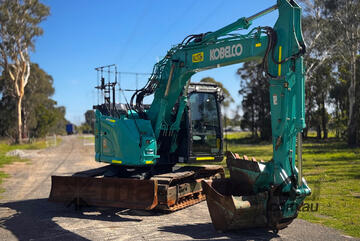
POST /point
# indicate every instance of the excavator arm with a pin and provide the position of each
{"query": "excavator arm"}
(257, 194)
(280, 50)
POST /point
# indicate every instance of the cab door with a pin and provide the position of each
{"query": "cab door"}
(206, 140)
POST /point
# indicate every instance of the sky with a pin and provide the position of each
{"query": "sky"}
(84, 34)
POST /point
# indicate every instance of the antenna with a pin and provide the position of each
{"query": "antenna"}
(107, 87)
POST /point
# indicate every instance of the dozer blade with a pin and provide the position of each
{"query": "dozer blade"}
(105, 192)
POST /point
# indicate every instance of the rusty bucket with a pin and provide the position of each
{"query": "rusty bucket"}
(232, 209)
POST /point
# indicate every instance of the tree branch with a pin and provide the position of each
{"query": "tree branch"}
(27, 75)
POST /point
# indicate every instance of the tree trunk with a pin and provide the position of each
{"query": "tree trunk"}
(318, 132)
(323, 118)
(338, 116)
(25, 131)
(253, 121)
(352, 122)
(305, 132)
(18, 138)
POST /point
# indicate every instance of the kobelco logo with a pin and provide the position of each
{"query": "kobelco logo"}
(226, 52)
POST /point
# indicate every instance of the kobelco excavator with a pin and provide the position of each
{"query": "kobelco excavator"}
(155, 137)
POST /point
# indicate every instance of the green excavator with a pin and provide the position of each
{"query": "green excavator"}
(153, 138)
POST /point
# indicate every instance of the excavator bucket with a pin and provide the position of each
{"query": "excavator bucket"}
(230, 209)
(105, 192)
(232, 202)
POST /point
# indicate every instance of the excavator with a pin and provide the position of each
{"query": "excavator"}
(153, 138)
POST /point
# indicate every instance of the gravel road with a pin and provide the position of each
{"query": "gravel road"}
(25, 213)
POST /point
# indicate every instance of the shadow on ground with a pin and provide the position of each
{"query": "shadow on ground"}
(206, 231)
(34, 219)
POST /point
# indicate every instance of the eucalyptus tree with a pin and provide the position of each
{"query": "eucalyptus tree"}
(345, 19)
(19, 25)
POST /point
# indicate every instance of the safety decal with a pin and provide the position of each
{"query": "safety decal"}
(198, 57)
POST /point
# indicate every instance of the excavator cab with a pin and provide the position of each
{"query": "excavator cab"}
(201, 136)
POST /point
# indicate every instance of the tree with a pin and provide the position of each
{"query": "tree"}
(59, 127)
(318, 34)
(340, 98)
(256, 100)
(37, 93)
(19, 26)
(90, 119)
(227, 96)
(7, 116)
(345, 19)
(40, 114)
(317, 94)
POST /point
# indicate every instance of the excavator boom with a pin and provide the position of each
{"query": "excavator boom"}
(152, 137)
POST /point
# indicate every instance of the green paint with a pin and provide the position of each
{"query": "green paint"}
(124, 139)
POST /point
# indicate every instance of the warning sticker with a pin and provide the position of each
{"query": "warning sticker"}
(198, 57)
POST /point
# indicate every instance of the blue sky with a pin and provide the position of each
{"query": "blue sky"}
(81, 35)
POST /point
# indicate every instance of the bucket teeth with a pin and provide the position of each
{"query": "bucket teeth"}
(240, 201)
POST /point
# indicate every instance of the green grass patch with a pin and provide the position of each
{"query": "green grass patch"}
(4, 148)
(332, 171)
(313, 134)
(237, 135)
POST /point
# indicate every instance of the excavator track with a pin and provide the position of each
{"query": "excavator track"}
(182, 188)
(168, 191)
(186, 202)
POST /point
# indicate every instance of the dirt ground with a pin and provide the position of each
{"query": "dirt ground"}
(25, 213)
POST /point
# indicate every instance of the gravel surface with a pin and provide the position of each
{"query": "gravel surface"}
(25, 213)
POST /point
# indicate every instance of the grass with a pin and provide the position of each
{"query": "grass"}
(332, 171)
(4, 148)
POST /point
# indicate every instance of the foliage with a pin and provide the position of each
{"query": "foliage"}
(256, 101)
(20, 21)
(340, 99)
(317, 95)
(343, 16)
(319, 62)
(19, 26)
(331, 30)
(85, 128)
(39, 113)
(90, 121)
(227, 96)
(46, 118)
